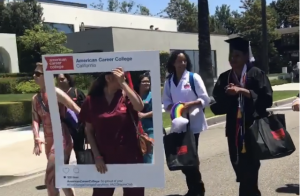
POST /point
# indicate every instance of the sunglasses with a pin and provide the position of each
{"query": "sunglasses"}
(38, 74)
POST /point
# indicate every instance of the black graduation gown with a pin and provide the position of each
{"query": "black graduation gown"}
(261, 98)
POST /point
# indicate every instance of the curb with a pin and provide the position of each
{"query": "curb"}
(18, 129)
(4, 180)
(218, 119)
(7, 179)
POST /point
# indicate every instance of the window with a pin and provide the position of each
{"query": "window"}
(66, 28)
(194, 56)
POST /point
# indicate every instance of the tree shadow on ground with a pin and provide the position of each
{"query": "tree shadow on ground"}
(289, 188)
(40, 187)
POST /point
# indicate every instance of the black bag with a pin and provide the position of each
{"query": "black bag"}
(180, 150)
(270, 139)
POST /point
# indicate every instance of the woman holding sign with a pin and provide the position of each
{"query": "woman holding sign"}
(110, 129)
(40, 115)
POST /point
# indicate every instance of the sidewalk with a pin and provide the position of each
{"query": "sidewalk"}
(17, 158)
(286, 87)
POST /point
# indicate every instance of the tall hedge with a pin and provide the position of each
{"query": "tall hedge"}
(15, 114)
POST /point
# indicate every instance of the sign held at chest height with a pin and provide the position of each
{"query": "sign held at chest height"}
(117, 175)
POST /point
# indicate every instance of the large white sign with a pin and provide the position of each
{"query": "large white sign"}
(118, 175)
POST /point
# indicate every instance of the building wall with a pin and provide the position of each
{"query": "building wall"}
(121, 39)
(131, 39)
(71, 15)
(92, 40)
(8, 53)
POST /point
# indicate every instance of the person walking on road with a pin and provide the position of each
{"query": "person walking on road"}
(193, 94)
(40, 115)
(240, 93)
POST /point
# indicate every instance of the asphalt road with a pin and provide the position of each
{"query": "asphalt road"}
(278, 177)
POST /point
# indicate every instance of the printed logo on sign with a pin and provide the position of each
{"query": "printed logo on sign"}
(59, 63)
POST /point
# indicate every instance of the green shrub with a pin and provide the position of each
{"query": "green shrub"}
(163, 57)
(83, 81)
(278, 82)
(15, 75)
(8, 85)
(15, 114)
(27, 87)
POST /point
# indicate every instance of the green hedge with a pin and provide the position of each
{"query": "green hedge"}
(14, 114)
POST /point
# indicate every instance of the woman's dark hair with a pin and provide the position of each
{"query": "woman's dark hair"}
(69, 78)
(138, 83)
(97, 87)
(171, 61)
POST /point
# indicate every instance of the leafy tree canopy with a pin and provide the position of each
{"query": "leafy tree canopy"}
(287, 13)
(18, 16)
(40, 41)
(250, 26)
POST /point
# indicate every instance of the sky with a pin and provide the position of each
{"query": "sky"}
(155, 6)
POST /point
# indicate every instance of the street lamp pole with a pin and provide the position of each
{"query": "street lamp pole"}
(265, 57)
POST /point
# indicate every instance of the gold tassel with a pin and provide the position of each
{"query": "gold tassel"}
(239, 114)
(244, 148)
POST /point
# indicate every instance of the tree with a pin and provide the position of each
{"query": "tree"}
(250, 26)
(287, 11)
(226, 19)
(205, 63)
(17, 16)
(113, 5)
(185, 13)
(98, 6)
(142, 10)
(39, 41)
(126, 6)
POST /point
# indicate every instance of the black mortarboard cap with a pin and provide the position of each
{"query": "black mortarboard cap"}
(241, 44)
(238, 43)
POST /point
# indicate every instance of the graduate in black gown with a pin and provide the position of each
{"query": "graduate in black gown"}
(242, 93)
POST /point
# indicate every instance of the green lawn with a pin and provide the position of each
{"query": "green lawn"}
(277, 95)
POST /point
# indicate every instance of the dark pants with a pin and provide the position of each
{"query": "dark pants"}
(246, 170)
(194, 178)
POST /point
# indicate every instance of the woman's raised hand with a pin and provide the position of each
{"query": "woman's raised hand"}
(119, 74)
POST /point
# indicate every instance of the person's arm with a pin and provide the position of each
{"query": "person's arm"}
(85, 116)
(35, 120)
(221, 104)
(90, 134)
(203, 99)
(167, 97)
(148, 115)
(262, 95)
(134, 98)
(64, 99)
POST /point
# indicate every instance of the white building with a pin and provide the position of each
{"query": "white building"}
(8, 54)
(68, 17)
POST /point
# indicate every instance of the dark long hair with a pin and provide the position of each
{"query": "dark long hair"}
(97, 87)
(138, 83)
(69, 78)
(171, 61)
